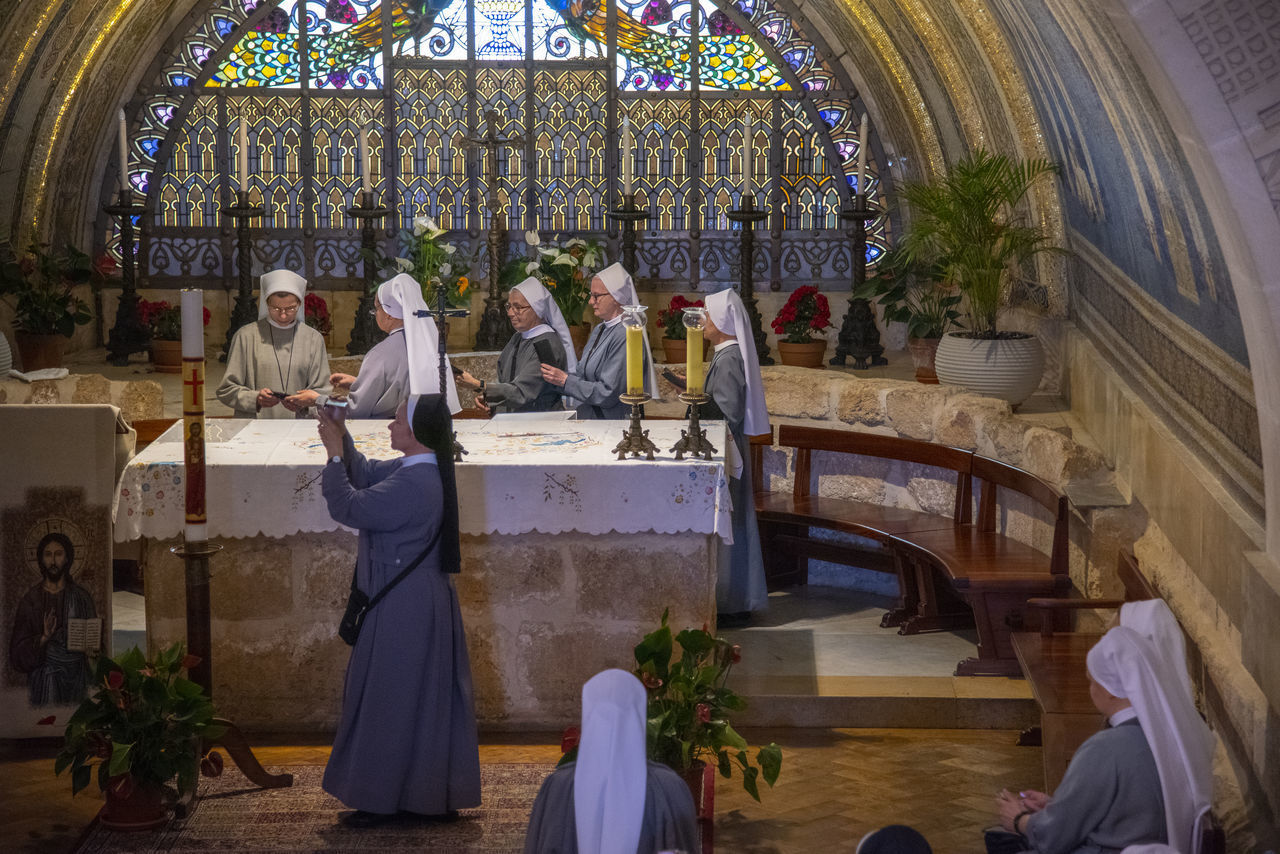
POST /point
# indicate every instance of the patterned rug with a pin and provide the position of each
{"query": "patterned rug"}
(232, 815)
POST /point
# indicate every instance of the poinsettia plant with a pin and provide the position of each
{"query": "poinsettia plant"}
(672, 318)
(805, 312)
(165, 320)
(41, 286)
(142, 724)
(317, 314)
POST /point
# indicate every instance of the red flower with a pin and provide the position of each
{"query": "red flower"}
(805, 310)
(569, 740)
(737, 653)
(207, 315)
(212, 765)
(47, 721)
(189, 661)
(704, 713)
(115, 680)
(650, 681)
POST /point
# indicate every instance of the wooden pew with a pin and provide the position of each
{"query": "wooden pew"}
(1053, 662)
(785, 519)
(992, 573)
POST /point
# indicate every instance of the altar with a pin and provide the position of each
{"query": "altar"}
(561, 574)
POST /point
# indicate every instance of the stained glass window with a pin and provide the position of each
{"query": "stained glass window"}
(305, 76)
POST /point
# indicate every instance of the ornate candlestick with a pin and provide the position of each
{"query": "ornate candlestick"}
(442, 312)
(365, 332)
(748, 216)
(693, 441)
(495, 328)
(859, 336)
(129, 334)
(245, 309)
(630, 216)
(635, 441)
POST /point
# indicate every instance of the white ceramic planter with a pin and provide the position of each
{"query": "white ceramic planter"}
(1007, 368)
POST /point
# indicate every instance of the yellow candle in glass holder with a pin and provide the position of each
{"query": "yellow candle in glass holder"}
(693, 366)
(635, 360)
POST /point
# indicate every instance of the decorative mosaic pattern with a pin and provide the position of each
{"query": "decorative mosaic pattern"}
(1239, 41)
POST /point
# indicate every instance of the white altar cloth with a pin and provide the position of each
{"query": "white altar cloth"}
(263, 478)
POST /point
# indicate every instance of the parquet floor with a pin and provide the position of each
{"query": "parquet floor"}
(836, 785)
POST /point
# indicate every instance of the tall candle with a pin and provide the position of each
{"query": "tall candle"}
(627, 158)
(242, 165)
(366, 180)
(693, 361)
(124, 153)
(862, 156)
(193, 426)
(635, 360)
(748, 153)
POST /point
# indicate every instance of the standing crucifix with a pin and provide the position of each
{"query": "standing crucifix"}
(495, 329)
(442, 312)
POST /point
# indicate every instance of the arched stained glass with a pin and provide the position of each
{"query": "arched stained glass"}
(305, 76)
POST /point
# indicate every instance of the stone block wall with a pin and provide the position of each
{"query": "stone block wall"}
(136, 398)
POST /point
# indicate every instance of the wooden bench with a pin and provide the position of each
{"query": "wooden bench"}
(1053, 662)
(951, 570)
(785, 519)
(992, 573)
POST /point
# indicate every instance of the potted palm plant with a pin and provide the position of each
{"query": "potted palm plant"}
(40, 288)
(921, 299)
(142, 728)
(966, 227)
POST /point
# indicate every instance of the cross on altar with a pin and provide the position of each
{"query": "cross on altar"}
(441, 313)
(494, 326)
(195, 384)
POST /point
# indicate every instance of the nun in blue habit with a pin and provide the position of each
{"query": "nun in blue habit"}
(406, 741)
(596, 384)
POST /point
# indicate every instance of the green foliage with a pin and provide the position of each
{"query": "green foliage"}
(143, 720)
(689, 705)
(565, 269)
(966, 230)
(39, 286)
(918, 298)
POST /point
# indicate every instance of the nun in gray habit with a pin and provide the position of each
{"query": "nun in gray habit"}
(406, 742)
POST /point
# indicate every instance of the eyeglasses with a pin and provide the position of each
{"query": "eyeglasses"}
(595, 296)
(373, 312)
(283, 312)
(517, 309)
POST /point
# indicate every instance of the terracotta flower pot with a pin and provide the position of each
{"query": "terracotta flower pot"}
(923, 351)
(166, 357)
(806, 355)
(37, 352)
(140, 808)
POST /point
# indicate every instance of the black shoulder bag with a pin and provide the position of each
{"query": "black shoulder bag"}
(359, 604)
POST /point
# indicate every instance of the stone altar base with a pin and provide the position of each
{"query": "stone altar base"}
(543, 613)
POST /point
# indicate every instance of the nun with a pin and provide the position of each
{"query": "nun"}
(1145, 779)
(737, 396)
(406, 740)
(405, 362)
(278, 366)
(539, 328)
(611, 799)
(600, 378)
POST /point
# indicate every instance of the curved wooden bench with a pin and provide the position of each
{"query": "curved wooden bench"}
(951, 570)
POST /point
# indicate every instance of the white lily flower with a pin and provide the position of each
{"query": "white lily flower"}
(531, 238)
(565, 260)
(531, 266)
(421, 224)
(449, 248)
(446, 269)
(575, 241)
(404, 265)
(552, 251)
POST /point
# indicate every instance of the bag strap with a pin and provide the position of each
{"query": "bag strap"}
(404, 572)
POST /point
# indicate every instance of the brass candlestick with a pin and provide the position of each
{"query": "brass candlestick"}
(693, 441)
(635, 441)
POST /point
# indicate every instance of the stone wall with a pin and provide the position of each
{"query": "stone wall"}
(136, 398)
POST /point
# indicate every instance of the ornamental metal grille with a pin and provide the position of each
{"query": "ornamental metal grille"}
(304, 76)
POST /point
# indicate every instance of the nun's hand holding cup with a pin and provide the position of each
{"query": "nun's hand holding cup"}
(553, 375)
(341, 382)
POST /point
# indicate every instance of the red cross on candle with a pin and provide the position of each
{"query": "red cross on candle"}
(195, 383)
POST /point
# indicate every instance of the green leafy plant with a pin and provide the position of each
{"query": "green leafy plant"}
(565, 269)
(142, 724)
(967, 230)
(689, 706)
(39, 286)
(918, 298)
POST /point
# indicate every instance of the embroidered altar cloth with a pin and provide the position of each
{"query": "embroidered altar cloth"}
(263, 478)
